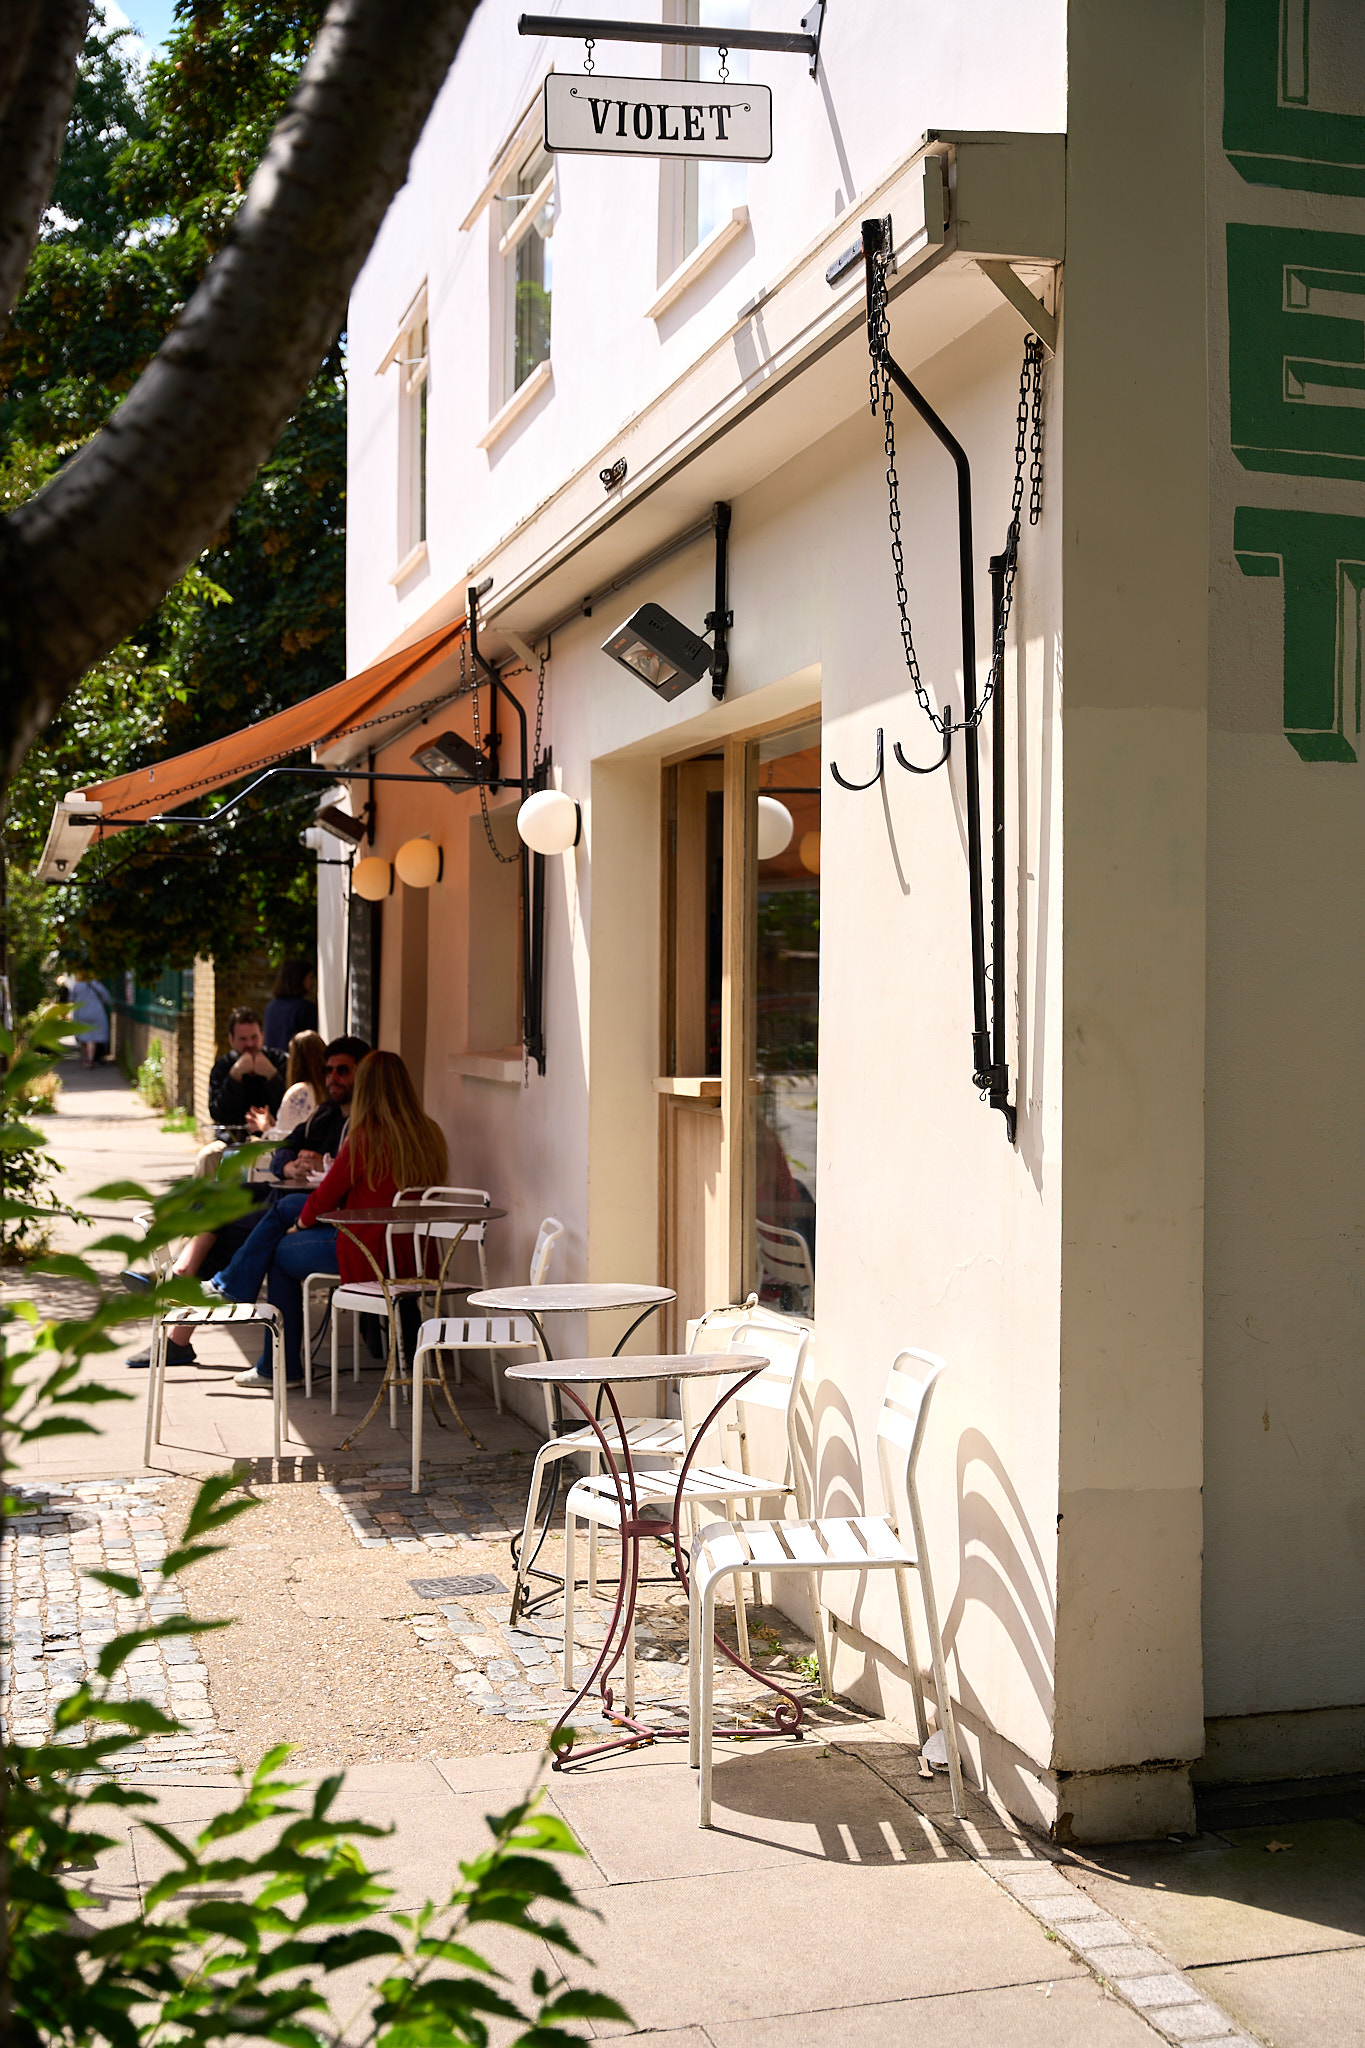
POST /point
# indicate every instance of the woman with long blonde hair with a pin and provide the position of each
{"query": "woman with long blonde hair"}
(390, 1143)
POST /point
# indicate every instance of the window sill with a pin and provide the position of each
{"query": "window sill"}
(516, 404)
(703, 1087)
(485, 1066)
(413, 559)
(701, 259)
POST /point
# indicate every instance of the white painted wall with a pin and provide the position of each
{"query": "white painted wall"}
(888, 73)
(1063, 1280)
(1284, 1627)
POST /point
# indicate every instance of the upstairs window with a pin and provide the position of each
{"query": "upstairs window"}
(408, 353)
(527, 210)
(416, 384)
(711, 191)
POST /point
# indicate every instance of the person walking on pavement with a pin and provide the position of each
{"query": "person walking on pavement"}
(90, 1017)
(391, 1144)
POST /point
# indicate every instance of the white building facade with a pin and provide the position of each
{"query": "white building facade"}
(1143, 1471)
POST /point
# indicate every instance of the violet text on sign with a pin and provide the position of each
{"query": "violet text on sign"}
(658, 117)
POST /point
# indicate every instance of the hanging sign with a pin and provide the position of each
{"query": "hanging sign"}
(586, 114)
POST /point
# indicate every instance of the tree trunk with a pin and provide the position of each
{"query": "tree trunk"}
(86, 560)
(41, 46)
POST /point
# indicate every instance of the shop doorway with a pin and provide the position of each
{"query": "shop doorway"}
(739, 1052)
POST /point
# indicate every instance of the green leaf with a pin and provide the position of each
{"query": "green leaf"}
(585, 2005)
(118, 1582)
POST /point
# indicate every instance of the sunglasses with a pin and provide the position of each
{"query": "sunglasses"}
(340, 1066)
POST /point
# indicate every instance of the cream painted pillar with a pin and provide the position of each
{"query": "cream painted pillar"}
(1129, 1683)
(621, 830)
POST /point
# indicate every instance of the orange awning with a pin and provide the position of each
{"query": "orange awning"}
(149, 793)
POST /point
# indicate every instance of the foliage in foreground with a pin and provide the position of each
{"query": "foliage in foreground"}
(155, 165)
(245, 1935)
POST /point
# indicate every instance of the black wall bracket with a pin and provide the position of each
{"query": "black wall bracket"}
(719, 621)
(990, 1072)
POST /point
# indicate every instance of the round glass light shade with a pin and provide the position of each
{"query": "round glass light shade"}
(809, 852)
(372, 878)
(549, 821)
(418, 863)
(775, 827)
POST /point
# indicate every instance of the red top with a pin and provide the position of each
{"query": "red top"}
(344, 1186)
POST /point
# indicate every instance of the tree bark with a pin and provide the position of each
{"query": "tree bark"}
(86, 560)
(41, 47)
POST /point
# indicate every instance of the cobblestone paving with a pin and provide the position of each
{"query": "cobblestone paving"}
(57, 1620)
(517, 1673)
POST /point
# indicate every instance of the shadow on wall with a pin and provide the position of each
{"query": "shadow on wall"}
(1000, 1567)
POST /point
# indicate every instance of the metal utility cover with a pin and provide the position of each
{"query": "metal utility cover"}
(596, 116)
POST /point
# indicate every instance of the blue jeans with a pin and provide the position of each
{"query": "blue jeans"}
(241, 1278)
(307, 1251)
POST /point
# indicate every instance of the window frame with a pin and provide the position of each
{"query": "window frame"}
(508, 237)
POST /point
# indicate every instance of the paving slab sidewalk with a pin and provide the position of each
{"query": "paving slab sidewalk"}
(835, 1901)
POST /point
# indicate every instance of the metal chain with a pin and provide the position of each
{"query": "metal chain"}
(1029, 430)
(588, 65)
(1030, 401)
(724, 54)
(540, 707)
(506, 859)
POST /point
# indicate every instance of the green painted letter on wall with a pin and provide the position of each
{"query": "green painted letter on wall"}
(1321, 557)
(1296, 350)
(1294, 93)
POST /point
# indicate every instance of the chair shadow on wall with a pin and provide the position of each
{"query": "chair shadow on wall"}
(1001, 1568)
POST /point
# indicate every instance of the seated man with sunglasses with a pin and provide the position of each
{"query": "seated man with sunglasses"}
(301, 1153)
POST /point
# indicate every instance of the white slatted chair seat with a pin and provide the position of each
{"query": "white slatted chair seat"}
(595, 1497)
(816, 1544)
(231, 1315)
(856, 1545)
(595, 1500)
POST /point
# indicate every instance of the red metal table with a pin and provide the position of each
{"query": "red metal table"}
(568, 1375)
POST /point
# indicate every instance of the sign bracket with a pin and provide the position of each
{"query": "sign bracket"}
(579, 28)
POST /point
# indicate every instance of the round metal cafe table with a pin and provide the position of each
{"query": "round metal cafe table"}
(568, 1375)
(573, 1298)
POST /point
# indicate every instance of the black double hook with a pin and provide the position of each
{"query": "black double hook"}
(911, 767)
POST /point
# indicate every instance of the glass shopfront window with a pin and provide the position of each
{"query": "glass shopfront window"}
(786, 1017)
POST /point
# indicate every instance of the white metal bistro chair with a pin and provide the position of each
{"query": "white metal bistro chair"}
(475, 1234)
(661, 1436)
(232, 1315)
(471, 1332)
(448, 1336)
(784, 1263)
(859, 1543)
(162, 1260)
(594, 1499)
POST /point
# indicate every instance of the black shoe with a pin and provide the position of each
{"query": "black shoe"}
(176, 1354)
(135, 1282)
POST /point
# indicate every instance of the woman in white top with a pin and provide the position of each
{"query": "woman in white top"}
(305, 1087)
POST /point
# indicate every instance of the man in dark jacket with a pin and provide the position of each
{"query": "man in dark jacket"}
(249, 1075)
(319, 1136)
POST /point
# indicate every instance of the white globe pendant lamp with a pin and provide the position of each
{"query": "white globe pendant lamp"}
(372, 878)
(775, 828)
(419, 863)
(550, 821)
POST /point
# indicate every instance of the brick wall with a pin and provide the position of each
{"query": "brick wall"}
(217, 993)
